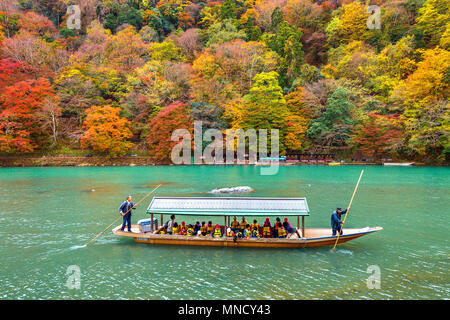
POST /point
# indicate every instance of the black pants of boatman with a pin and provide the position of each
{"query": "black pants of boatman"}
(336, 229)
(126, 221)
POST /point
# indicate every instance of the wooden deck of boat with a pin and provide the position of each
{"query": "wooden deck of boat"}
(314, 237)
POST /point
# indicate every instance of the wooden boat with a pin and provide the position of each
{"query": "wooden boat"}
(239, 206)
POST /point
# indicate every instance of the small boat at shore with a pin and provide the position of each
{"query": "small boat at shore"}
(249, 207)
(334, 163)
(398, 164)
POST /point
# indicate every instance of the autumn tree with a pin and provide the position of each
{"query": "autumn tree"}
(305, 14)
(210, 14)
(126, 50)
(77, 91)
(429, 82)
(11, 72)
(106, 132)
(265, 106)
(36, 24)
(384, 72)
(348, 61)
(170, 118)
(298, 120)
(30, 50)
(378, 135)
(224, 72)
(165, 51)
(20, 121)
(189, 43)
(434, 19)
(349, 25)
(424, 95)
(150, 88)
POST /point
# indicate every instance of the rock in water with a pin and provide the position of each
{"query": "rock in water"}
(232, 190)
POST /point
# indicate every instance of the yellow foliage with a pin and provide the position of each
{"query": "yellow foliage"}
(429, 82)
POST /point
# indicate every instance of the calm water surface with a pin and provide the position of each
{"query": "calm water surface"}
(45, 213)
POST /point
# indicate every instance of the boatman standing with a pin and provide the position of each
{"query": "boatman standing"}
(336, 220)
(125, 210)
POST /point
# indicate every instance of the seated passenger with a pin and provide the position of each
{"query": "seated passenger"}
(255, 232)
(287, 226)
(230, 232)
(247, 231)
(163, 230)
(210, 228)
(183, 228)
(204, 229)
(255, 229)
(234, 224)
(175, 229)
(190, 230)
(275, 228)
(243, 224)
(217, 231)
(237, 234)
(266, 228)
(196, 227)
(281, 231)
(169, 224)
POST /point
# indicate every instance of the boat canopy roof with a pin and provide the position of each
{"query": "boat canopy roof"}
(226, 206)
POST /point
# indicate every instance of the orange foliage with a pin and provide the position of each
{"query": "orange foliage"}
(105, 131)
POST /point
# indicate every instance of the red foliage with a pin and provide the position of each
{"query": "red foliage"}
(378, 134)
(20, 129)
(174, 116)
(10, 72)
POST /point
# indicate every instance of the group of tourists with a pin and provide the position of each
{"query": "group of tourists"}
(240, 229)
(237, 229)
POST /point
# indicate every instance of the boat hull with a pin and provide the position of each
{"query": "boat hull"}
(398, 164)
(317, 238)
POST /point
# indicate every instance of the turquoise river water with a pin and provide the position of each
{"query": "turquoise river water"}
(46, 214)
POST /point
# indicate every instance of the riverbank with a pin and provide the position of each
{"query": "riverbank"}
(74, 161)
(101, 161)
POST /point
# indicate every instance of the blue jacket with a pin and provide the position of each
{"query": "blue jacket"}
(335, 219)
(124, 207)
(196, 228)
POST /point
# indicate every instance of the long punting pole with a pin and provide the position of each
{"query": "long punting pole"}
(121, 217)
(348, 210)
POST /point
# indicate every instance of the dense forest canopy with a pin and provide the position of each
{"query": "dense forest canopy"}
(322, 72)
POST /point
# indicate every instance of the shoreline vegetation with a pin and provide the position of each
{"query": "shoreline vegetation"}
(131, 161)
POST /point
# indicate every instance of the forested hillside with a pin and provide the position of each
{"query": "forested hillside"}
(136, 70)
